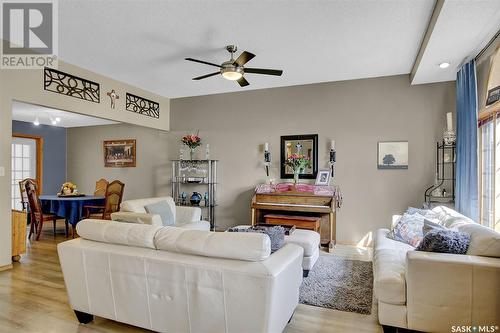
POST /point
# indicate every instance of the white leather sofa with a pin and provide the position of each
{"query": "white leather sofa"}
(431, 292)
(171, 279)
(185, 217)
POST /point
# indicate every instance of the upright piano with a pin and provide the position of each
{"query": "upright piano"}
(298, 200)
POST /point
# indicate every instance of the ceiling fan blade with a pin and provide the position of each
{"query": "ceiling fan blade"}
(205, 76)
(264, 71)
(202, 62)
(243, 82)
(244, 58)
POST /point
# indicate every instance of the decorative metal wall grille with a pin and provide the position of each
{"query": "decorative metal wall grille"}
(70, 85)
(142, 106)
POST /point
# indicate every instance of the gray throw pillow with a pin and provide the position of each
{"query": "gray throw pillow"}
(161, 208)
(445, 241)
(276, 234)
(430, 226)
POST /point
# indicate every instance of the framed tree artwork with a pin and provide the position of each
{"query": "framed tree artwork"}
(119, 153)
(306, 145)
(392, 155)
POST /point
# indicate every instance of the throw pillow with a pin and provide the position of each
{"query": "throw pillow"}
(430, 225)
(276, 234)
(408, 229)
(424, 212)
(161, 208)
(445, 241)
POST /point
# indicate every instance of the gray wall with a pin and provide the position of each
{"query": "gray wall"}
(356, 114)
(86, 161)
(54, 153)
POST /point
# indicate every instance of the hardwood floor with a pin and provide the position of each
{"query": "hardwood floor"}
(33, 298)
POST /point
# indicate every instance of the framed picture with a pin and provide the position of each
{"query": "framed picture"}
(392, 155)
(306, 145)
(119, 153)
(493, 95)
(323, 178)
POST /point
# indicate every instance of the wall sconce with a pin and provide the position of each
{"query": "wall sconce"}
(333, 157)
(267, 158)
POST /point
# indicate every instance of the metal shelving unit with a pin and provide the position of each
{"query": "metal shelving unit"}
(445, 176)
(187, 176)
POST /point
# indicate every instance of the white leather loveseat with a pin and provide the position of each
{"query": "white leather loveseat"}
(185, 217)
(434, 292)
(171, 279)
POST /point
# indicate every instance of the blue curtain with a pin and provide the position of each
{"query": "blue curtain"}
(466, 199)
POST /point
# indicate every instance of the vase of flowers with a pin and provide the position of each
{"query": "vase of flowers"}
(193, 141)
(298, 163)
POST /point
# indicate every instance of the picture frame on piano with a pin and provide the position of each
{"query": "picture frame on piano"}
(323, 177)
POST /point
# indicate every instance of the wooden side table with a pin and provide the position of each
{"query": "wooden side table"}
(19, 223)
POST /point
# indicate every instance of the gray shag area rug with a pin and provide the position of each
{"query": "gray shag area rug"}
(340, 284)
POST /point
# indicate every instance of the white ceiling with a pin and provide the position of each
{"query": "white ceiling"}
(462, 30)
(144, 43)
(30, 112)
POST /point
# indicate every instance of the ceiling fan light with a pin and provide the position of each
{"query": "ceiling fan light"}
(232, 75)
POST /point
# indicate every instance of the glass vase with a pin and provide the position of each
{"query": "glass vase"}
(191, 153)
(296, 177)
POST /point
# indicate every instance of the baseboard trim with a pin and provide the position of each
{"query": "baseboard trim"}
(6, 267)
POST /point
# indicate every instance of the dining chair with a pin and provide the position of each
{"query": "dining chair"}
(35, 210)
(112, 200)
(22, 192)
(100, 187)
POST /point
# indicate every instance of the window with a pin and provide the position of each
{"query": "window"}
(23, 166)
(487, 150)
(489, 136)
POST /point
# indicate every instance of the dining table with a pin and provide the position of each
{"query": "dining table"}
(70, 208)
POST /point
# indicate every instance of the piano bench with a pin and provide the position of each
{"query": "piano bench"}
(300, 222)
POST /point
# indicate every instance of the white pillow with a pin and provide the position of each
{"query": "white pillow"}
(483, 241)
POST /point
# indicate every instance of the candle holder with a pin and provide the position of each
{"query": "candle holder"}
(267, 161)
(333, 158)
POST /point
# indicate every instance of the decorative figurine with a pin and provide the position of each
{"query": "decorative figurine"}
(184, 198)
(206, 199)
(113, 96)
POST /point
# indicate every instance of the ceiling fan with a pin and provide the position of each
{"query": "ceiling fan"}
(233, 69)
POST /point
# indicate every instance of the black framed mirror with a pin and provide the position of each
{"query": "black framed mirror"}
(306, 145)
